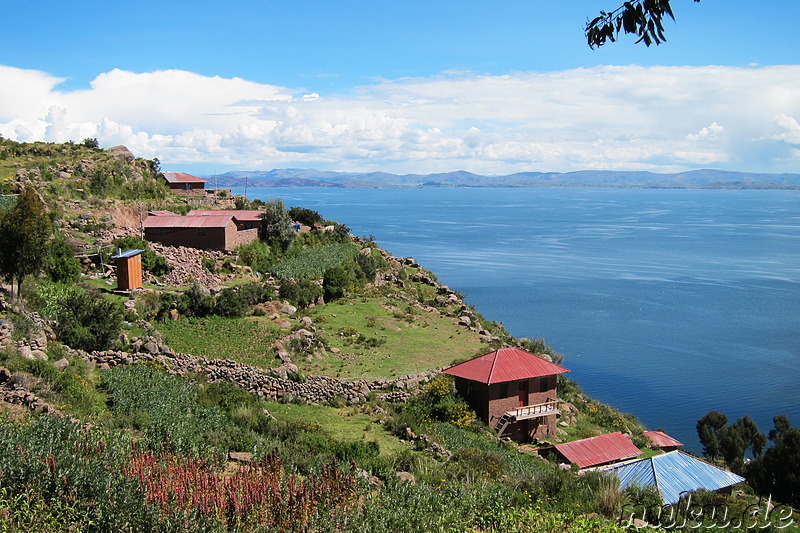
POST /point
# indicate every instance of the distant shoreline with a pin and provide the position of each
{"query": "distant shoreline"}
(694, 180)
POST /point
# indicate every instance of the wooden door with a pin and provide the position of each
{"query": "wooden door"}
(523, 393)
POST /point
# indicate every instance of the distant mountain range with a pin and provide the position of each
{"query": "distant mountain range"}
(694, 179)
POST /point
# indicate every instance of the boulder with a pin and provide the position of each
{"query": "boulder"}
(61, 364)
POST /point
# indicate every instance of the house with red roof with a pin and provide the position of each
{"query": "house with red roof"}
(659, 439)
(512, 391)
(183, 183)
(598, 451)
(214, 232)
(245, 218)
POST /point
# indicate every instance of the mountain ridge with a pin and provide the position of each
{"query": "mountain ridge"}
(693, 179)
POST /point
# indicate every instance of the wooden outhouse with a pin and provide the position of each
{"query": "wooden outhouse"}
(512, 391)
(129, 269)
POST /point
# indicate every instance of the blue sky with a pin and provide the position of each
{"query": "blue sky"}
(491, 87)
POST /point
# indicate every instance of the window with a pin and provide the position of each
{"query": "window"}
(504, 390)
(201, 233)
(544, 383)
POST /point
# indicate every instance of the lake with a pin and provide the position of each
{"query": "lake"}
(665, 303)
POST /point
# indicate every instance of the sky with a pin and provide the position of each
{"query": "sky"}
(406, 87)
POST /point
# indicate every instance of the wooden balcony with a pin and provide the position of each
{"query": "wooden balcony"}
(526, 412)
(534, 411)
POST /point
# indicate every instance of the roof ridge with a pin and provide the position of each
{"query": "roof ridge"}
(494, 361)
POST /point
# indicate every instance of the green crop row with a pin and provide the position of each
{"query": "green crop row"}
(313, 262)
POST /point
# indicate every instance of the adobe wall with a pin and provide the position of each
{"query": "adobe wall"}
(203, 238)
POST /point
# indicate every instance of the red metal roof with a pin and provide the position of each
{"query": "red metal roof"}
(238, 214)
(505, 364)
(661, 439)
(177, 221)
(162, 213)
(599, 450)
(182, 177)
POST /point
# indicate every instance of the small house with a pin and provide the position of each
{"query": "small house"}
(245, 218)
(183, 183)
(661, 440)
(674, 474)
(598, 451)
(211, 232)
(512, 391)
(129, 269)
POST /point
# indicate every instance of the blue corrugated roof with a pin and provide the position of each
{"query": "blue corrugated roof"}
(127, 253)
(674, 473)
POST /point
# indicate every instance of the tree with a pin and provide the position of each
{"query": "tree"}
(24, 233)
(736, 439)
(778, 471)
(708, 429)
(730, 442)
(305, 216)
(640, 17)
(276, 227)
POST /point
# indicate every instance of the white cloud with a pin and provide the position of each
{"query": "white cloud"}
(620, 117)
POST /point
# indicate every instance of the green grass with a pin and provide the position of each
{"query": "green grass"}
(345, 423)
(410, 341)
(247, 340)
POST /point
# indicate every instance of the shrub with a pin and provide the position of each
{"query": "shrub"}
(62, 265)
(256, 255)
(197, 301)
(301, 293)
(237, 301)
(305, 216)
(84, 319)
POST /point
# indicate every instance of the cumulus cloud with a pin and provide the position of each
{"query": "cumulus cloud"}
(607, 117)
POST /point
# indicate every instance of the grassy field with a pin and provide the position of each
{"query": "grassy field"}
(345, 423)
(247, 340)
(377, 340)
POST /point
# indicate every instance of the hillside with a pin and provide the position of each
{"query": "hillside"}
(290, 384)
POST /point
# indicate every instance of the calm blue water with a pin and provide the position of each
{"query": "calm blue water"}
(665, 303)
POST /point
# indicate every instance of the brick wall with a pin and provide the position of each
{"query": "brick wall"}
(490, 402)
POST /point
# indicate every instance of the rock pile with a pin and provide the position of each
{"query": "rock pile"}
(13, 390)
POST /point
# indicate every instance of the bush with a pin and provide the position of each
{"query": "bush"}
(235, 302)
(197, 301)
(305, 216)
(62, 265)
(84, 319)
(256, 255)
(301, 293)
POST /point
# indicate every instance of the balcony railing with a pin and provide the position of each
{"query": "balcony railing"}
(534, 411)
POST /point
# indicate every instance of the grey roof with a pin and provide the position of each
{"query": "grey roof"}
(127, 253)
(674, 473)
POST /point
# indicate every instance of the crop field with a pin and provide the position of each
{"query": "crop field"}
(342, 423)
(246, 340)
(313, 262)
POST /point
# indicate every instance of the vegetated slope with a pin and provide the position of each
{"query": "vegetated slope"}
(216, 392)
